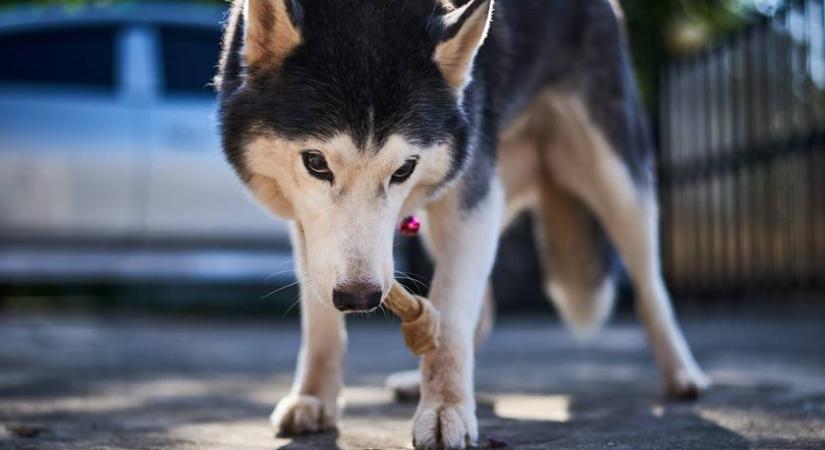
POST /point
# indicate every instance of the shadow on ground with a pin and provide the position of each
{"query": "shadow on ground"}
(116, 384)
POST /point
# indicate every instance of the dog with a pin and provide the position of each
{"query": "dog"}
(345, 116)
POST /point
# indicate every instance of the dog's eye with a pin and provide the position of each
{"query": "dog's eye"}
(316, 165)
(404, 171)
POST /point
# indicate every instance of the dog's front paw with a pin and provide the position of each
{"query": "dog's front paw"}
(300, 414)
(686, 383)
(445, 426)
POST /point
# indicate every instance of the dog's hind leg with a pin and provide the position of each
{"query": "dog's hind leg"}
(575, 257)
(583, 161)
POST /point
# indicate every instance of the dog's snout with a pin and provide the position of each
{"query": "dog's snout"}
(357, 297)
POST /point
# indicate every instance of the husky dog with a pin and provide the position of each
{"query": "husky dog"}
(347, 115)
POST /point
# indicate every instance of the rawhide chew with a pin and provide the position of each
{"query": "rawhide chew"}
(419, 319)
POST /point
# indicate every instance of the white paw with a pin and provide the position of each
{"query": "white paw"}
(445, 426)
(405, 385)
(686, 383)
(300, 414)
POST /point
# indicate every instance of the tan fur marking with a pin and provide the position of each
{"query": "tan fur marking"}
(269, 162)
(270, 34)
(518, 166)
(455, 56)
(270, 194)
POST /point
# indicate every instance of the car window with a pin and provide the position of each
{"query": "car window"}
(190, 55)
(60, 57)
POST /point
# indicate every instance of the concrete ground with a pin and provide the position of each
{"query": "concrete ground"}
(176, 384)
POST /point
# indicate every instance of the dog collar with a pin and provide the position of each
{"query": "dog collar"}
(409, 226)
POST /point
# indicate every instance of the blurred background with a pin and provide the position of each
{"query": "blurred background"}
(146, 302)
(114, 194)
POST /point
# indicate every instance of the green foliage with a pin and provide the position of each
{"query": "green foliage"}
(663, 29)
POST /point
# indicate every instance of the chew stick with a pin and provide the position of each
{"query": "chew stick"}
(419, 319)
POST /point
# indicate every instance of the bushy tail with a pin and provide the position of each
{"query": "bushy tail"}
(577, 260)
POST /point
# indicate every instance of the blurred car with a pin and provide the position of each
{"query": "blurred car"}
(110, 163)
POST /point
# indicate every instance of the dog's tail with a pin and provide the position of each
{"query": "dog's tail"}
(577, 259)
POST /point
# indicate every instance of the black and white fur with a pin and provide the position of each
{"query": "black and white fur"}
(346, 115)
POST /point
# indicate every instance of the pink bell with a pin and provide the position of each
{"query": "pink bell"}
(409, 226)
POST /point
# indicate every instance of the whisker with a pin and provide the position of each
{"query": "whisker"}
(273, 275)
(388, 314)
(278, 290)
(312, 292)
(410, 274)
(294, 302)
(405, 276)
(281, 264)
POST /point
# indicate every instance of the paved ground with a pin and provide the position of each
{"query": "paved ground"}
(117, 383)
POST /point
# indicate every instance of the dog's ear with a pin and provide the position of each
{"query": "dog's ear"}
(272, 31)
(464, 31)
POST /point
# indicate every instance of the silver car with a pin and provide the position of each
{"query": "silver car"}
(110, 163)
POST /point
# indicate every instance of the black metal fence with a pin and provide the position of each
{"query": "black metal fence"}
(743, 159)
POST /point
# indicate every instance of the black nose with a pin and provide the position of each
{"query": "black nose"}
(356, 297)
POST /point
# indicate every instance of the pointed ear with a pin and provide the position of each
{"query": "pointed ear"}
(464, 31)
(272, 31)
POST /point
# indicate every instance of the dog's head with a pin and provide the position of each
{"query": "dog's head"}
(344, 115)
